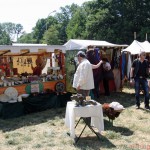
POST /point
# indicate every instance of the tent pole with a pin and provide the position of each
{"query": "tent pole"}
(134, 35)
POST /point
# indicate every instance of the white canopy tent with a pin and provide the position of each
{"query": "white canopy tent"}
(136, 47)
(146, 46)
(83, 44)
(133, 49)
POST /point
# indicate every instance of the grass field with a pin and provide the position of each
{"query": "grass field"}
(46, 130)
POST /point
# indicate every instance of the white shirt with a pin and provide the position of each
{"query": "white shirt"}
(84, 76)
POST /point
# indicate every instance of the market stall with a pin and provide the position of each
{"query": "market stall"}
(22, 65)
(32, 79)
(106, 50)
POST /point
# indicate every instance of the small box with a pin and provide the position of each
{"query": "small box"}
(88, 98)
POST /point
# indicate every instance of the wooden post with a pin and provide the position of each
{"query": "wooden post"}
(134, 35)
(146, 36)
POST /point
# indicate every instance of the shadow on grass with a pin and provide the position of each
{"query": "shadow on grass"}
(122, 130)
(85, 143)
(125, 99)
(32, 119)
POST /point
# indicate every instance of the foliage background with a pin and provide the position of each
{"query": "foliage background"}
(111, 20)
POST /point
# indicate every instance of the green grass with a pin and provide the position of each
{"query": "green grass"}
(46, 130)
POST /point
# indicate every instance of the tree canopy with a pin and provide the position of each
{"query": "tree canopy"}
(111, 20)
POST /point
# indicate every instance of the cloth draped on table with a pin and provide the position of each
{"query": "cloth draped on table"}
(95, 112)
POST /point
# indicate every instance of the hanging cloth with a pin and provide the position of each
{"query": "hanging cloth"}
(123, 64)
(129, 66)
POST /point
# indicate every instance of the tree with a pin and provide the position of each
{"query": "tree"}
(9, 28)
(117, 20)
(97, 12)
(76, 25)
(4, 37)
(41, 27)
(129, 17)
(111, 20)
(18, 29)
(39, 30)
(63, 19)
(51, 36)
(12, 29)
(26, 38)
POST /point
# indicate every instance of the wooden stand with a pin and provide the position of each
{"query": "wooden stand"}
(21, 88)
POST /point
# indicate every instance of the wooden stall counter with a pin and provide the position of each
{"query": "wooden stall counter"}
(55, 85)
(20, 88)
(52, 85)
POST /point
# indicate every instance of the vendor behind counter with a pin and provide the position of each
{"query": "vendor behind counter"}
(37, 70)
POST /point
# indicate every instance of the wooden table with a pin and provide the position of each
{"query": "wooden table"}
(93, 111)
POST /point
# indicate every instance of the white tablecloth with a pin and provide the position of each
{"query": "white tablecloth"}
(93, 111)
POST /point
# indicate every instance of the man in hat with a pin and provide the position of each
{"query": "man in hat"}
(83, 80)
(139, 73)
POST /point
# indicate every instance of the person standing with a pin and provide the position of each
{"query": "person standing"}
(83, 80)
(37, 70)
(139, 73)
(106, 68)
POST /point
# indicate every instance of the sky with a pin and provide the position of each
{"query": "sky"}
(27, 12)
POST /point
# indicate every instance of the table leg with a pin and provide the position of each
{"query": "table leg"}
(86, 121)
(78, 122)
(80, 134)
